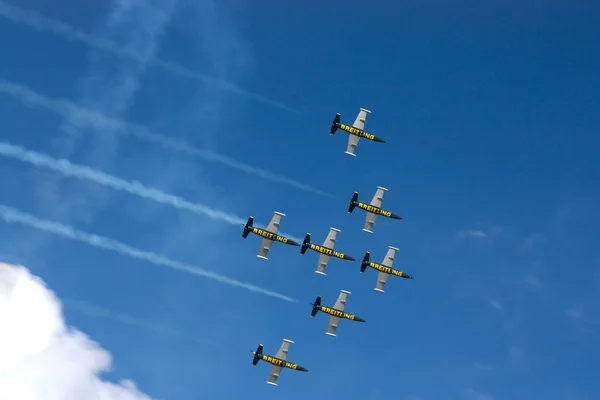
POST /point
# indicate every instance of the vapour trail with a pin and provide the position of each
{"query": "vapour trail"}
(69, 32)
(132, 187)
(12, 215)
(79, 115)
(96, 311)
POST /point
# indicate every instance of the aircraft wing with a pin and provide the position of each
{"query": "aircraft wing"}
(323, 260)
(381, 279)
(273, 226)
(329, 243)
(340, 304)
(265, 246)
(283, 350)
(275, 371)
(330, 239)
(369, 221)
(359, 123)
(388, 261)
(378, 198)
(333, 324)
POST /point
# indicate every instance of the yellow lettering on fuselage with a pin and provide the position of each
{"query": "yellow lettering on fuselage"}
(385, 269)
(356, 131)
(279, 362)
(269, 235)
(336, 313)
(374, 210)
(325, 250)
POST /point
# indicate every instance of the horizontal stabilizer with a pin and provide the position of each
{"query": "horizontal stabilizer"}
(378, 290)
(394, 248)
(345, 291)
(365, 110)
(331, 334)
(289, 341)
(320, 273)
(382, 188)
(335, 229)
(350, 154)
(368, 231)
(272, 383)
(282, 214)
(263, 257)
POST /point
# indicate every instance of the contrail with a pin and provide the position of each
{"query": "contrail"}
(68, 32)
(78, 115)
(96, 311)
(12, 215)
(134, 187)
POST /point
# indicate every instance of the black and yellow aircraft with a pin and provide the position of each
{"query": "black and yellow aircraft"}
(336, 312)
(385, 268)
(356, 131)
(325, 251)
(268, 235)
(279, 361)
(373, 209)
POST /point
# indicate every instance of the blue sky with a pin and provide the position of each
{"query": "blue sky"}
(490, 116)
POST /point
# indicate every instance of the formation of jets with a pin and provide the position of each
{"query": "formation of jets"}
(326, 250)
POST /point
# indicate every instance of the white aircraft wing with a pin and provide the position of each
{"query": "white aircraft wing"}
(273, 226)
(281, 354)
(265, 246)
(388, 261)
(283, 350)
(329, 243)
(323, 260)
(359, 123)
(330, 239)
(340, 304)
(378, 198)
(369, 221)
(275, 372)
(381, 279)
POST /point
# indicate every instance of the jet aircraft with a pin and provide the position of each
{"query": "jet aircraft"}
(373, 209)
(385, 268)
(325, 251)
(268, 235)
(279, 361)
(336, 312)
(356, 131)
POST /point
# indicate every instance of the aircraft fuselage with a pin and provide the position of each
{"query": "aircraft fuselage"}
(273, 236)
(338, 313)
(359, 132)
(376, 210)
(329, 252)
(281, 363)
(388, 270)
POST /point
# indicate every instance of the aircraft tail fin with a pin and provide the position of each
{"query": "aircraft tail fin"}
(365, 262)
(334, 124)
(315, 304)
(248, 227)
(257, 354)
(353, 202)
(305, 243)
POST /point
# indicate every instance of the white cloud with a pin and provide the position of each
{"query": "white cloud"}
(42, 358)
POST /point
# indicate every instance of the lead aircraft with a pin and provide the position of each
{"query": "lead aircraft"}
(279, 361)
(385, 268)
(373, 209)
(356, 131)
(268, 235)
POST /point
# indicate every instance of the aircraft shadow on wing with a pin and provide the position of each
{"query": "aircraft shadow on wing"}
(385, 268)
(373, 209)
(336, 313)
(356, 131)
(269, 235)
(325, 250)
(279, 361)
